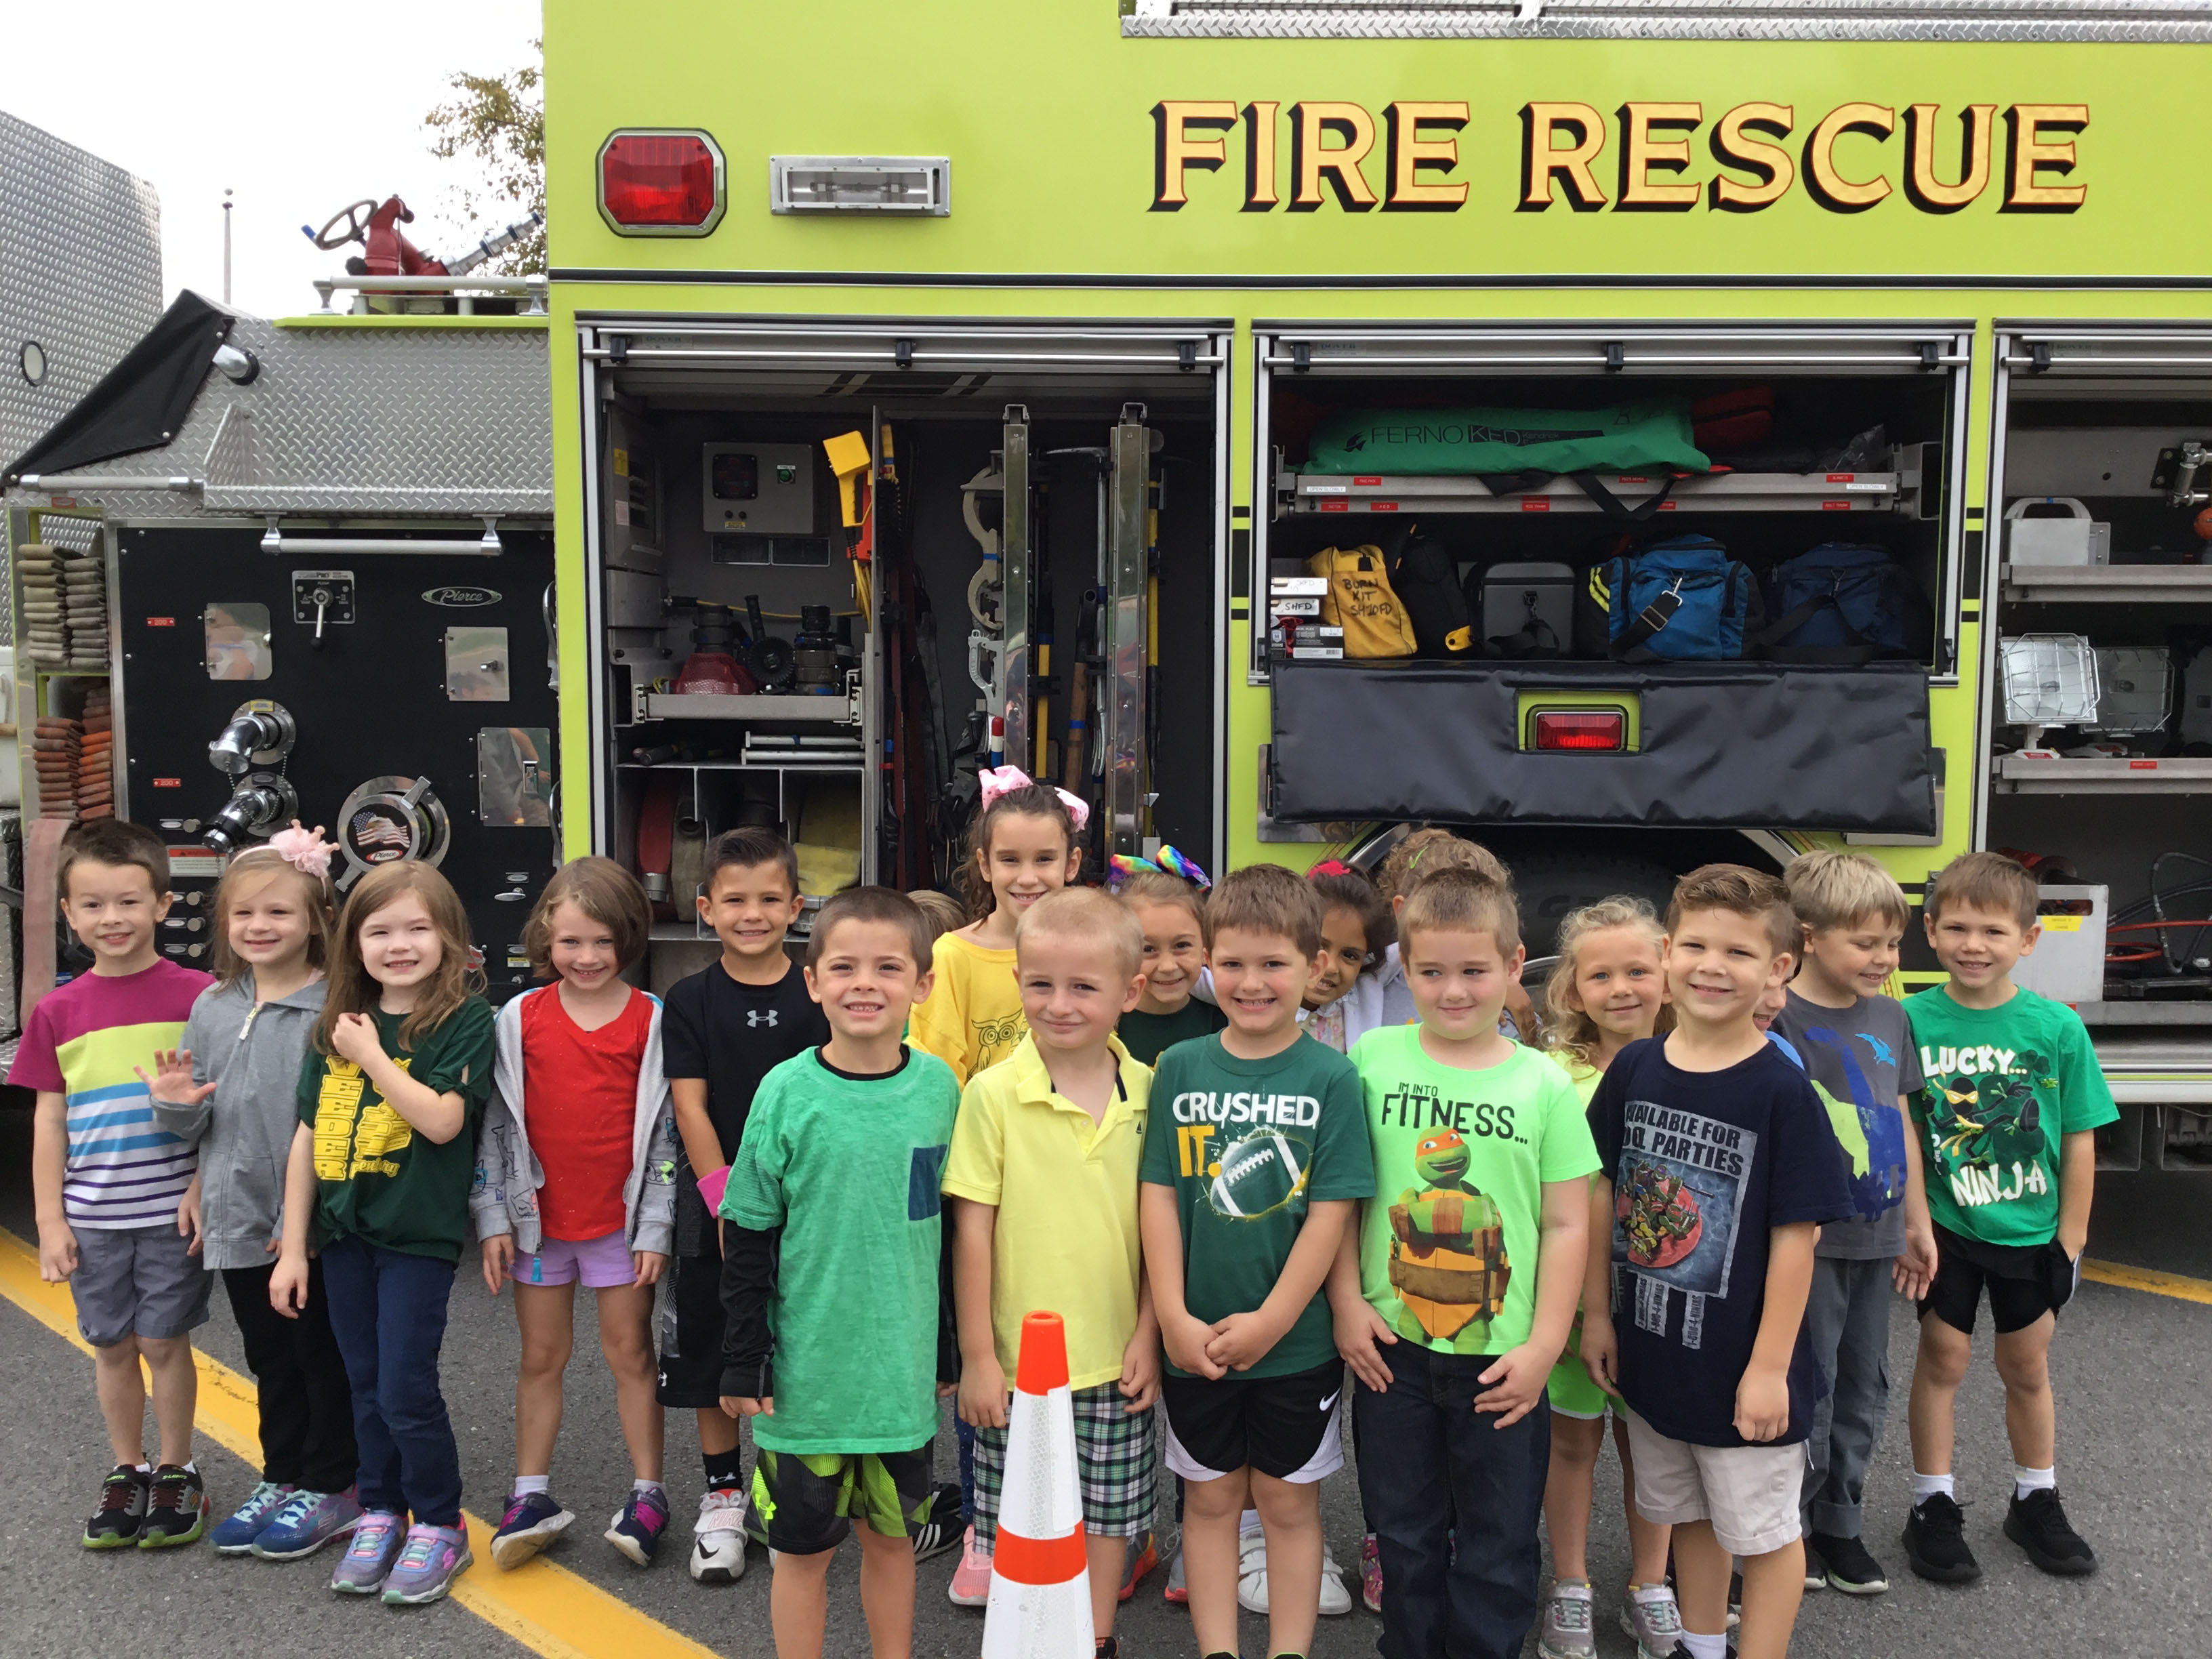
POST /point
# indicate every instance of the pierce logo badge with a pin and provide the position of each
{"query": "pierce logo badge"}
(460, 598)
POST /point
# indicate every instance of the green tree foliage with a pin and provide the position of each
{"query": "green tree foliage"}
(498, 121)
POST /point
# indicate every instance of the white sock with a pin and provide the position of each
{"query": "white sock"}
(1248, 1524)
(1705, 1647)
(526, 1484)
(654, 1487)
(1927, 1485)
(145, 1468)
(2026, 1480)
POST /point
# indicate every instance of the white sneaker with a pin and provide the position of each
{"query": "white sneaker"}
(1335, 1599)
(718, 1552)
(1252, 1577)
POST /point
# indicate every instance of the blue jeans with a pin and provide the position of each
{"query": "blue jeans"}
(388, 1313)
(1430, 1465)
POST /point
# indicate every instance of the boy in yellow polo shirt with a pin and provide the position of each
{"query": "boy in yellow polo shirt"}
(1043, 1176)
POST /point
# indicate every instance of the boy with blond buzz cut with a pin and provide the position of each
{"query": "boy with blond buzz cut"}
(1043, 1180)
(2010, 1107)
(1466, 1272)
(1719, 1166)
(1250, 1175)
(1854, 1045)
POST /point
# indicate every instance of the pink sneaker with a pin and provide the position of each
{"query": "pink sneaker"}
(1370, 1574)
(971, 1579)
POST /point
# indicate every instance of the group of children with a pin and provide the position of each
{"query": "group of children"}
(1239, 1139)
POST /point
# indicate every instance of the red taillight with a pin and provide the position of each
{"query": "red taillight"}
(1604, 731)
(660, 184)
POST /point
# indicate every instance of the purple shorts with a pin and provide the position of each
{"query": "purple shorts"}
(603, 1264)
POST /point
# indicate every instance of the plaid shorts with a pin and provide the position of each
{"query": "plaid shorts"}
(1114, 1462)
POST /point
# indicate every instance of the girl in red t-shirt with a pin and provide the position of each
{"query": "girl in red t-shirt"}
(575, 1182)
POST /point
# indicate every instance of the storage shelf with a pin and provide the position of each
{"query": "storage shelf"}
(1728, 492)
(670, 706)
(2186, 774)
(2107, 584)
(2197, 1013)
(833, 769)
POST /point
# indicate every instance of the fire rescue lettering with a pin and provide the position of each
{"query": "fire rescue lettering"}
(1848, 159)
(1282, 1111)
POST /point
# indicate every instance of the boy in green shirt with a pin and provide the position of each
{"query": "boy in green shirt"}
(830, 1277)
(2010, 1105)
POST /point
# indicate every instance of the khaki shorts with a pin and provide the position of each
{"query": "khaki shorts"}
(1749, 1493)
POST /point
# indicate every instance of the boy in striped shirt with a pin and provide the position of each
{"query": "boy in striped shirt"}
(109, 1180)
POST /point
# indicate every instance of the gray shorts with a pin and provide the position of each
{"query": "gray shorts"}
(136, 1281)
(1749, 1493)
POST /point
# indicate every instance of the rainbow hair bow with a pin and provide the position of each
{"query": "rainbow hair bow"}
(1166, 861)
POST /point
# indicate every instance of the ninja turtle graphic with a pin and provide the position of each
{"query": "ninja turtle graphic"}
(1988, 1122)
(1659, 1215)
(1447, 1253)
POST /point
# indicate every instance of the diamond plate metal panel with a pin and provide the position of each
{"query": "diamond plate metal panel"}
(2175, 21)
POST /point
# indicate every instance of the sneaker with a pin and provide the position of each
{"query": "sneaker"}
(308, 1521)
(1252, 1571)
(1140, 1561)
(1335, 1599)
(377, 1541)
(1816, 1574)
(1652, 1616)
(941, 1531)
(1566, 1631)
(1178, 1587)
(1935, 1541)
(2038, 1524)
(971, 1579)
(122, 1510)
(635, 1529)
(532, 1520)
(1847, 1564)
(433, 1558)
(177, 1509)
(718, 1546)
(1370, 1574)
(236, 1535)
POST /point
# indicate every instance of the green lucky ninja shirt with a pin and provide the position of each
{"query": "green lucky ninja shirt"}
(2002, 1088)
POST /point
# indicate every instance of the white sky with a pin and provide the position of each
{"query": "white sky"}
(299, 109)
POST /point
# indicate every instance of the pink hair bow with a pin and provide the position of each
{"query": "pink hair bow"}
(304, 850)
(998, 780)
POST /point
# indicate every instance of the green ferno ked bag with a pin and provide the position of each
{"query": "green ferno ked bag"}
(1650, 435)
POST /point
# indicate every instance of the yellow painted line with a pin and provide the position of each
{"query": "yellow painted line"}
(2149, 1279)
(547, 1609)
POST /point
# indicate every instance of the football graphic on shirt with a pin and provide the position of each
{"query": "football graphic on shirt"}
(1257, 1175)
(1660, 1215)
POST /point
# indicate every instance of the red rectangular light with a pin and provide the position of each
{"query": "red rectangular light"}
(668, 184)
(1606, 730)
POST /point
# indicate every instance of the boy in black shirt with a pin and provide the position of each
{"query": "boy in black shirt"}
(725, 1028)
(1718, 1166)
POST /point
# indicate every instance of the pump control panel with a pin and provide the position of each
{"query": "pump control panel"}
(759, 490)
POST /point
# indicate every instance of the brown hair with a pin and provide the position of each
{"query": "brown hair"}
(747, 850)
(1086, 912)
(353, 992)
(1031, 800)
(872, 904)
(115, 843)
(1424, 852)
(603, 890)
(317, 899)
(1988, 881)
(1463, 899)
(1348, 890)
(942, 911)
(1569, 1031)
(1829, 888)
(1265, 898)
(1741, 891)
(1162, 887)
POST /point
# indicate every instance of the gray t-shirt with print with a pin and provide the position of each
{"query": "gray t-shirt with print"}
(1860, 1058)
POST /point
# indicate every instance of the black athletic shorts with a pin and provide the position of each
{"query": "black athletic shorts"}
(692, 1331)
(805, 1503)
(1284, 1426)
(2024, 1281)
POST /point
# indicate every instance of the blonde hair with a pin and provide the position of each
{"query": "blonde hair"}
(1424, 852)
(1987, 881)
(1569, 1031)
(1741, 892)
(1829, 890)
(1465, 899)
(451, 984)
(1086, 914)
(941, 911)
(319, 902)
(1265, 898)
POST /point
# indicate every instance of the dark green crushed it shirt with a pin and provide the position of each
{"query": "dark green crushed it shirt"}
(1247, 1145)
(2003, 1087)
(1147, 1036)
(849, 1167)
(378, 1178)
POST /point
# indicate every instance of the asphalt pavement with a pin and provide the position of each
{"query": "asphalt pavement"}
(2134, 1465)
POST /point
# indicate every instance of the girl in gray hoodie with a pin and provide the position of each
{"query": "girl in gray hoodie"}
(231, 1087)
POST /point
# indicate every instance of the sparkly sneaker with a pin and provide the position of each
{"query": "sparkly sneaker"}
(1140, 1561)
(1178, 1588)
(308, 1521)
(637, 1525)
(377, 1539)
(971, 1579)
(177, 1509)
(1567, 1630)
(718, 1546)
(433, 1558)
(114, 1525)
(1651, 1616)
(532, 1520)
(1370, 1574)
(2038, 1524)
(236, 1535)
(1935, 1541)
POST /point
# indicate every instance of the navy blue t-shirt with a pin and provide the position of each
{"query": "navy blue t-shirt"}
(1704, 1165)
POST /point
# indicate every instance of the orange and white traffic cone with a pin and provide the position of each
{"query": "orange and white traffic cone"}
(1040, 1605)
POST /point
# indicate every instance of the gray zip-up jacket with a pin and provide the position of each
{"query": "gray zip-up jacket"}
(504, 1199)
(244, 1130)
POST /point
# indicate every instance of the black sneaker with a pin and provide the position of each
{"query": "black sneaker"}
(1851, 1567)
(1935, 1541)
(176, 1509)
(944, 1530)
(114, 1525)
(2038, 1524)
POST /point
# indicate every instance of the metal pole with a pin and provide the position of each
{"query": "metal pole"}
(1017, 552)
(226, 247)
(1124, 633)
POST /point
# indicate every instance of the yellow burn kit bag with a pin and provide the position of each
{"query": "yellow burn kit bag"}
(1361, 601)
